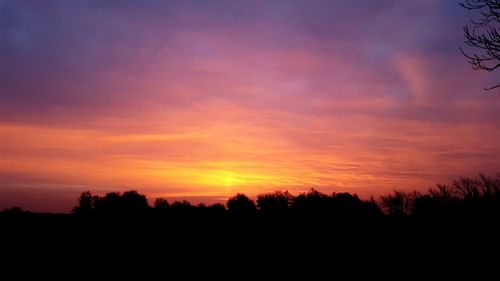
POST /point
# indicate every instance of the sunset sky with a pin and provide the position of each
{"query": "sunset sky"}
(200, 100)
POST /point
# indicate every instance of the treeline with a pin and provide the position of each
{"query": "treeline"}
(465, 198)
(275, 205)
(461, 216)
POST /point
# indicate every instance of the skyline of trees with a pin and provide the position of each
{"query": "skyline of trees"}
(465, 190)
(464, 198)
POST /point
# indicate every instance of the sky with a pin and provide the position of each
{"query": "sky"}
(200, 100)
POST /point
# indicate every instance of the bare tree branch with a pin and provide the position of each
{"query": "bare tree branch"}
(484, 36)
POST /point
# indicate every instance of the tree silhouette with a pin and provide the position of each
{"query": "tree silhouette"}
(182, 207)
(217, 209)
(490, 187)
(109, 203)
(483, 36)
(241, 206)
(275, 203)
(311, 202)
(133, 201)
(113, 202)
(85, 203)
(399, 203)
(161, 203)
(346, 205)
